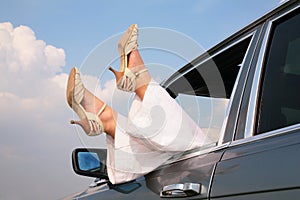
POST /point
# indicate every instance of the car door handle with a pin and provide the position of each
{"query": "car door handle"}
(181, 190)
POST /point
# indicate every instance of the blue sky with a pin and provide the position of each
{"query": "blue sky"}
(78, 26)
(43, 39)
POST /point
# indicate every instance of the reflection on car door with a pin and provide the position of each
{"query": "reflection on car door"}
(197, 170)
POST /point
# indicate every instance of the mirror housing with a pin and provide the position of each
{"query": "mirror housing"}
(90, 162)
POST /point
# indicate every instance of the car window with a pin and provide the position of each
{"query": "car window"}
(279, 103)
(205, 91)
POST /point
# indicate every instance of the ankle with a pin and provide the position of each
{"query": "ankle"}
(140, 91)
(135, 59)
(108, 119)
(91, 103)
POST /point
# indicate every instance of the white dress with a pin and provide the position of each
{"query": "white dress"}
(156, 129)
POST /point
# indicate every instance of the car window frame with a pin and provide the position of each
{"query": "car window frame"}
(250, 123)
(253, 35)
(235, 87)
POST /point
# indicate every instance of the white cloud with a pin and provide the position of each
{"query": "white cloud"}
(54, 57)
(36, 136)
(36, 139)
(25, 61)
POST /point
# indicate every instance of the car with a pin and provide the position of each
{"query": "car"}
(255, 145)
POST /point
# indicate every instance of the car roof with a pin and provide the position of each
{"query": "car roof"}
(228, 40)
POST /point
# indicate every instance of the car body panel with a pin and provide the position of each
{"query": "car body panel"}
(198, 169)
(264, 165)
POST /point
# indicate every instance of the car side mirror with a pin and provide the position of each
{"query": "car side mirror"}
(90, 162)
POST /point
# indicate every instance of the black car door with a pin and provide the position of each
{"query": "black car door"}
(263, 161)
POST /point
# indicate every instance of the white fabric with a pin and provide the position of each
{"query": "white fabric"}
(155, 130)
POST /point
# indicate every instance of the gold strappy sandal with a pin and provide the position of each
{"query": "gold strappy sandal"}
(90, 122)
(126, 79)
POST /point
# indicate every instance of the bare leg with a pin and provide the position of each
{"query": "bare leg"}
(93, 104)
(135, 63)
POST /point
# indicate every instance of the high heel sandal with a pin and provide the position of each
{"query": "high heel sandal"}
(75, 92)
(126, 78)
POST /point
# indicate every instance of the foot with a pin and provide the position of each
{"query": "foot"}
(95, 116)
(133, 76)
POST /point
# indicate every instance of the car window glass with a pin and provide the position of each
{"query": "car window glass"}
(209, 113)
(204, 92)
(279, 103)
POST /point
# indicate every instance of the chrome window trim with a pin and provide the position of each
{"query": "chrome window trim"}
(266, 135)
(253, 101)
(255, 86)
(223, 128)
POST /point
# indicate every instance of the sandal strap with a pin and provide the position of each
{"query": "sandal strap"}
(128, 81)
(140, 72)
(79, 91)
(96, 126)
(101, 109)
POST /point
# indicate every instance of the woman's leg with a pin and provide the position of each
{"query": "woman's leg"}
(93, 104)
(136, 63)
(155, 130)
(157, 118)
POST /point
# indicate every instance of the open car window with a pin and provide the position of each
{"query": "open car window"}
(206, 89)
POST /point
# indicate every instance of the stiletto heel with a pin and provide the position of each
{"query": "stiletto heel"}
(126, 78)
(117, 74)
(90, 122)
